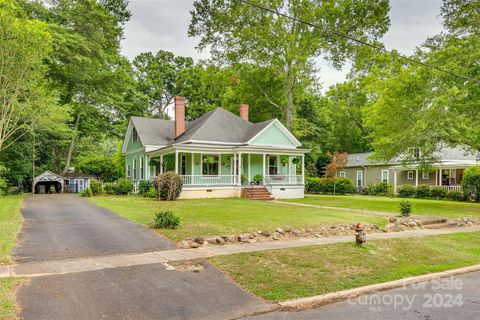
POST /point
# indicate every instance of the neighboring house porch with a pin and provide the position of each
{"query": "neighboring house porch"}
(447, 177)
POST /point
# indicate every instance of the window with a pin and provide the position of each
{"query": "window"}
(128, 171)
(134, 169)
(425, 175)
(343, 174)
(410, 175)
(134, 135)
(183, 164)
(385, 175)
(210, 165)
(359, 178)
(142, 171)
(272, 165)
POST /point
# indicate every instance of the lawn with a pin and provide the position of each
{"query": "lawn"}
(209, 217)
(10, 222)
(279, 275)
(8, 307)
(424, 207)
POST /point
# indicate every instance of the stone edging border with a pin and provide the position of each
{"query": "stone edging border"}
(323, 299)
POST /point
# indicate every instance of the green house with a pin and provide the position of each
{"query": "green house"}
(219, 154)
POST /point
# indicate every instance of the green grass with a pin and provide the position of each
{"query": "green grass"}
(8, 308)
(279, 275)
(208, 217)
(424, 207)
(10, 222)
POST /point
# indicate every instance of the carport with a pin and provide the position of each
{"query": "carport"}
(44, 182)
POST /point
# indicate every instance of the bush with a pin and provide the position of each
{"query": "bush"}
(168, 185)
(144, 187)
(152, 193)
(122, 187)
(3, 187)
(257, 179)
(438, 192)
(405, 208)
(406, 191)
(109, 188)
(165, 219)
(326, 185)
(455, 195)
(87, 192)
(471, 183)
(97, 187)
(423, 191)
(244, 179)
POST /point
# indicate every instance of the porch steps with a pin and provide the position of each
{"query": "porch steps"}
(439, 223)
(257, 193)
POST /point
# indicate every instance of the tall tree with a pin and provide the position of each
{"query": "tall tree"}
(237, 32)
(158, 79)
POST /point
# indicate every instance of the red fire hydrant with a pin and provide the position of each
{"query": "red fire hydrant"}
(360, 234)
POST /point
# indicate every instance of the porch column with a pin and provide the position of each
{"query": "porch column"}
(263, 167)
(436, 178)
(440, 176)
(192, 172)
(161, 163)
(249, 164)
(240, 168)
(303, 169)
(394, 181)
(416, 178)
(176, 161)
(234, 168)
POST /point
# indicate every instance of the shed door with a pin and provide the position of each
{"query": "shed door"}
(81, 184)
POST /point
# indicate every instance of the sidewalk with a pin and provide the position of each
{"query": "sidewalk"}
(38, 269)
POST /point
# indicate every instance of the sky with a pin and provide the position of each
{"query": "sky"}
(163, 24)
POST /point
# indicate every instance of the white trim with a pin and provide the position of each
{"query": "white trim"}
(193, 163)
(249, 171)
(388, 176)
(282, 128)
(342, 174)
(408, 175)
(357, 179)
(425, 174)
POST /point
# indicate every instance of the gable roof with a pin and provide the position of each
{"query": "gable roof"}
(445, 154)
(216, 126)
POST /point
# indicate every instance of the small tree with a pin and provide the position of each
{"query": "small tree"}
(338, 161)
(168, 185)
(471, 183)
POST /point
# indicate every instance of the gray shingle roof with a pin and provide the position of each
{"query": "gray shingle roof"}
(361, 159)
(218, 125)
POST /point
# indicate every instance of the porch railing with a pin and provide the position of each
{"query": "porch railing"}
(210, 180)
(455, 188)
(281, 179)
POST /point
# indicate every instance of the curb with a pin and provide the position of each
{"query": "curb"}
(356, 292)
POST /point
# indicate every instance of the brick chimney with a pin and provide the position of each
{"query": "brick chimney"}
(179, 115)
(244, 111)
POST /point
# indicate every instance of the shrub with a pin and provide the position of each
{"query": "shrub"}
(144, 187)
(471, 183)
(244, 179)
(109, 188)
(87, 192)
(97, 187)
(152, 193)
(455, 195)
(326, 185)
(405, 208)
(122, 187)
(406, 191)
(438, 192)
(3, 187)
(168, 185)
(258, 179)
(423, 191)
(381, 189)
(165, 219)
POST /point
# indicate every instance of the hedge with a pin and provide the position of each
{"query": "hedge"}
(327, 185)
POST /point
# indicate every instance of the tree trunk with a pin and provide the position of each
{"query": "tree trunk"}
(289, 105)
(72, 145)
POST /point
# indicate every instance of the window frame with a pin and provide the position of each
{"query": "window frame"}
(134, 135)
(141, 168)
(129, 172)
(408, 175)
(388, 176)
(425, 174)
(361, 179)
(218, 164)
(343, 174)
(275, 166)
(183, 164)
(134, 168)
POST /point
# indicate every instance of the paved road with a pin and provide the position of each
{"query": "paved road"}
(451, 298)
(65, 226)
(68, 226)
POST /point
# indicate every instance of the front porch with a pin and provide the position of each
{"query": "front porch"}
(449, 178)
(221, 167)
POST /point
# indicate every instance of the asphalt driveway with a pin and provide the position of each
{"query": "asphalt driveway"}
(68, 226)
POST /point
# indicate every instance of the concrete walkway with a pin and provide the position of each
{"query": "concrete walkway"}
(46, 268)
